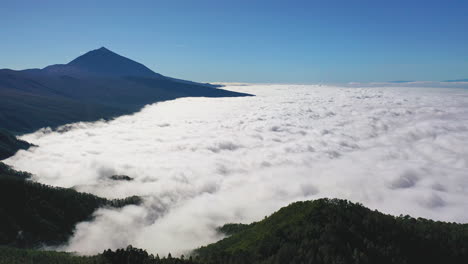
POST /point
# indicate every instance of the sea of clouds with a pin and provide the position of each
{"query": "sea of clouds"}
(203, 162)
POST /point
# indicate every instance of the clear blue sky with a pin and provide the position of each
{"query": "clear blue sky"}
(247, 41)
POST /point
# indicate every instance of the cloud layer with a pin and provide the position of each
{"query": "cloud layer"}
(203, 162)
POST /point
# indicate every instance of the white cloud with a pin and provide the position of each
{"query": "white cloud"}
(413, 84)
(203, 162)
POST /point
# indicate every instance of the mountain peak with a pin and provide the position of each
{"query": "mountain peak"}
(103, 50)
(105, 62)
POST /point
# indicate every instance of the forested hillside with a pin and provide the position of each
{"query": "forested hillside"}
(33, 214)
(338, 231)
(130, 255)
(9, 144)
(321, 231)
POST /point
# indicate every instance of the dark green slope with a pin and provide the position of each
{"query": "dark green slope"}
(33, 214)
(10, 255)
(130, 255)
(9, 144)
(337, 231)
(321, 231)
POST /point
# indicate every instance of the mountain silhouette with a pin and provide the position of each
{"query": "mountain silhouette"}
(103, 62)
(459, 80)
(97, 85)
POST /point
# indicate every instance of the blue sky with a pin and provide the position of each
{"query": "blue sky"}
(247, 41)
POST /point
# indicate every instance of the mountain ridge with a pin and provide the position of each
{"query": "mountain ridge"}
(34, 214)
(9, 144)
(457, 80)
(105, 62)
(322, 231)
(97, 85)
(338, 231)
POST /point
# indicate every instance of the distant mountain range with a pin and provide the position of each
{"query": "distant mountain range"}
(459, 80)
(98, 84)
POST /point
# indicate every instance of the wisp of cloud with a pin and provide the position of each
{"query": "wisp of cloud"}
(202, 162)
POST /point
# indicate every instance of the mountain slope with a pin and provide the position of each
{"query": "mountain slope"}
(34, 214)
(105, 62)
(9, 144)
(98, 84)
(321, 231)
(337, 231)
(130, 255)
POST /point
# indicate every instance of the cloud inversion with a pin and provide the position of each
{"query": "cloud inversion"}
(203, 162)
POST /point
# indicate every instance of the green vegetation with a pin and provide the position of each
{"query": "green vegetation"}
(7, 172)
(338, 231)
(130, 255)
(327, 231)
(231, 229)
(9, 144)
(33, 214)
(10, 255)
